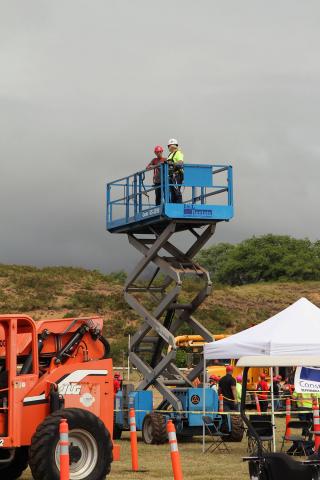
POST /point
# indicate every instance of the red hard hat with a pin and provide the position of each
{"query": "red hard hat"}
(214, 377)
(229, 368)
(158, 149)
(262, 376)
(117, 375)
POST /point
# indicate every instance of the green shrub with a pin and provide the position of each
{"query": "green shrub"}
(119, 351)
(265, 258)
(181, 358)
(115, 277)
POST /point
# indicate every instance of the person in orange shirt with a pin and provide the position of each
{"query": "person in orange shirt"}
(156, 162)
(263, 387)
(116, 383)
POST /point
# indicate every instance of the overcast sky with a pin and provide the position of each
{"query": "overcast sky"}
(87, 88)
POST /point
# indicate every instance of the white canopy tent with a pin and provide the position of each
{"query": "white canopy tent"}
(294, 331)
(291, 337)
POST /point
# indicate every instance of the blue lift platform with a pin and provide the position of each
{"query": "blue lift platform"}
(154, 287)
(207, 198)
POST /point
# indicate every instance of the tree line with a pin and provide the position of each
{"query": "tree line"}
(261, 259)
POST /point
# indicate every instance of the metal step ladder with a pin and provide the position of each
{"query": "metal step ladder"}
(156, 300)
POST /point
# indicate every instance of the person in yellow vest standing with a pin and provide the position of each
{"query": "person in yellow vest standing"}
(175, 161)
(239, 389)
(304, 403)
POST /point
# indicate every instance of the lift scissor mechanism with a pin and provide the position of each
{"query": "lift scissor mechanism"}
(168, 314)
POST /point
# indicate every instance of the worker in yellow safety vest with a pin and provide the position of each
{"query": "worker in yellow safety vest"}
(304, 402)
(175, 161)
(239, 389)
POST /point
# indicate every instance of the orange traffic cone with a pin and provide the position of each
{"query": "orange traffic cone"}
(64, 450)
(220, 403)
(288, 415)
(257, 404)
(175, 456)
(133, 440)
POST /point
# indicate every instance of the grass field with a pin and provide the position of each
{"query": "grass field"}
(154, 461)
(56, 292)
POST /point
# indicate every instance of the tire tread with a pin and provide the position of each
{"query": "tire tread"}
(46, 436)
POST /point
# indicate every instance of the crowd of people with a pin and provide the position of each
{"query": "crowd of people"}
(231, 388)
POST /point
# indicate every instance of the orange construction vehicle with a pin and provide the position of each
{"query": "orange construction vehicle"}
(49, 370)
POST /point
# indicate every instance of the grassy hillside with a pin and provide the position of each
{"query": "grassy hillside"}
(56, 292)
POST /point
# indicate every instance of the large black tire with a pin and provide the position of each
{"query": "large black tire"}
(154, 429)
(14, 469)
(237, 430)
(90, 447)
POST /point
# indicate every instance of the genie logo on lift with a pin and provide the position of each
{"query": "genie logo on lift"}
(195, 399)
(192, 211)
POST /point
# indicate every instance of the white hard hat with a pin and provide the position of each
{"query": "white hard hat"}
(172, 141)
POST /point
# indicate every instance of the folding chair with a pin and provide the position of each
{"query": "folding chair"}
(212, 427)
(301, 439)
(263, 426)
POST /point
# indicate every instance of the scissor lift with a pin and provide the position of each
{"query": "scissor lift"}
(155, 293)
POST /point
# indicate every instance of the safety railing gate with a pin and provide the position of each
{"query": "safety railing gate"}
(206, 193)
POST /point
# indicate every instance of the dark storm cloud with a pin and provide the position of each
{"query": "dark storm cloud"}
(88, 88)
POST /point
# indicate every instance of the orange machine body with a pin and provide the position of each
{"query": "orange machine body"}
(30, 374)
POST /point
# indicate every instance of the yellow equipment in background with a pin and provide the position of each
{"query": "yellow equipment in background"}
(194, 344)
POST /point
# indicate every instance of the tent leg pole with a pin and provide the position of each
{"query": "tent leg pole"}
(204, 404)
(272, 412)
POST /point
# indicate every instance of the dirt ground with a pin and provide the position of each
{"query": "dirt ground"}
(154, 461)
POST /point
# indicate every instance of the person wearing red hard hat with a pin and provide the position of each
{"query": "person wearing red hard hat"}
(158, 149)
(227, 387)
(214, 380)
(263, 387)
(117, 382)
(155, 164)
